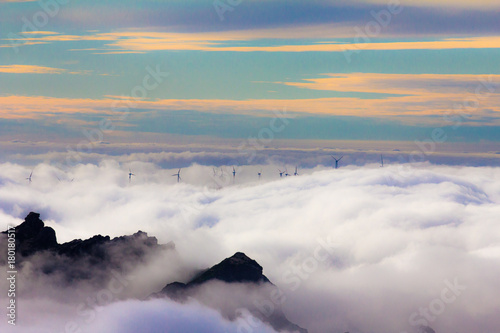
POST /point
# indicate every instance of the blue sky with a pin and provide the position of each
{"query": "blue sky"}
(343, 70)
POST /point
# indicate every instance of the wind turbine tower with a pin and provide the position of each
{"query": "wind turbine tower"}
(337, 160)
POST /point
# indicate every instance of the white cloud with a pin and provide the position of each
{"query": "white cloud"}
(129, 317)
(396, 235)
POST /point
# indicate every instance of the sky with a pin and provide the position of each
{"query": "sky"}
(406, 92)
(391, 241)
(159, 71)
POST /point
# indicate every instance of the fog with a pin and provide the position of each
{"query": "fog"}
(357, 249)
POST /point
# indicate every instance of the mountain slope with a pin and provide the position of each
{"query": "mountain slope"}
(227, 275)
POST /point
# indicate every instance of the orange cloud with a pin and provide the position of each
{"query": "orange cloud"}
(218, 42)
(400, 84)
(416, 104)
(143, 41)
(424, 97)
(38, 32)
(477, 96)
(28, 69)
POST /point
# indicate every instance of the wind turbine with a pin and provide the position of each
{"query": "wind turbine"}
(178, 174)
(29, 178)
(286, 172)
(222, 175)
(337, 161)
(66, 179)
(281, 173)
(234, 172)
(259, 173)
(130, 174)
(296, 173)
(381, 161)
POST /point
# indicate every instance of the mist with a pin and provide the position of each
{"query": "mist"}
(354, 249)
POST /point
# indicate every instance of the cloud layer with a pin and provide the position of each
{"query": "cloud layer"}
(358, 249)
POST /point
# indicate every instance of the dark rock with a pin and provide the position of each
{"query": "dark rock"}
(175, 291)
(94, 260)
(30, 228)
(237, 269)
(32, 236)
(90, 247)
(81, 259)
(425, 329)
(46, 239)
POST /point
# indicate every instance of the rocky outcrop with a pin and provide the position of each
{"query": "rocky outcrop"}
(95, 260)
(89, 259)
(425, 329)
(33, 236)
(238, 269)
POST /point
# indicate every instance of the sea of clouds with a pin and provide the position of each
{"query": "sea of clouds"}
(357, 249)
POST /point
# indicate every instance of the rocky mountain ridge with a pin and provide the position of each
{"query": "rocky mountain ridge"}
(93, 259)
